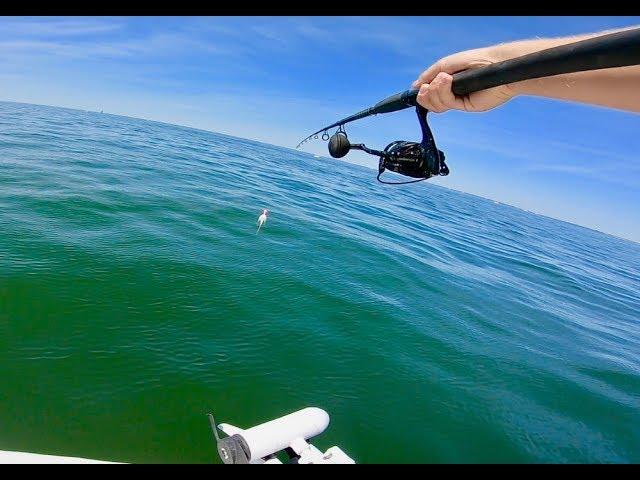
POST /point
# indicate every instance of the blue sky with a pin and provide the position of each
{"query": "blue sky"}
(276, 79)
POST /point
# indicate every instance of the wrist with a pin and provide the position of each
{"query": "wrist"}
(508, 51)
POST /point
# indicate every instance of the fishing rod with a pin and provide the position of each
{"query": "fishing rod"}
(423, 160)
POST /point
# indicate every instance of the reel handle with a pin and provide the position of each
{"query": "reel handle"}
(339, 146)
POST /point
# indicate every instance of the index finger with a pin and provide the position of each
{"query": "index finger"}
(428, 75)
(451, 64)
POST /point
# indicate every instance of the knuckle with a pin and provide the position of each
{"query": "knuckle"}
(442, 80)
(442, 77)
(440, 85)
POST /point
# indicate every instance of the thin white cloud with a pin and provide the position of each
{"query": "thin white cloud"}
(558, 167)
(298, 33)
(158, 44)
(59, 28)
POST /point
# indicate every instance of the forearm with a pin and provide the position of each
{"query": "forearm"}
(612, 87)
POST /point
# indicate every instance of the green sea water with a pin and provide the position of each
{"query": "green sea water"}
(432, 326)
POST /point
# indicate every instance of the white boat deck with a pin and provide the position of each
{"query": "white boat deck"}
(25, 457)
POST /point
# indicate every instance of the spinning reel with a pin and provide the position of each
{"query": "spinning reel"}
(417, 160)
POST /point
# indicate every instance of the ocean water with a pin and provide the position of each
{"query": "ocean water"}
(433, 326)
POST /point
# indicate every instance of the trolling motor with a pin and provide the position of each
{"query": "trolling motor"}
(289, 434)
(423, 160)
(418, 160)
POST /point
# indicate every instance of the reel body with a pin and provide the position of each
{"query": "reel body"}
(420, 160)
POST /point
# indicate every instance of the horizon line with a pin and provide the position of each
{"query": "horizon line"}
(633, 241)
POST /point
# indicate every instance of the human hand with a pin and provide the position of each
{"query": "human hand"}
(435, 83)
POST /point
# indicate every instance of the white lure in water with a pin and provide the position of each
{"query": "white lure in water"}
(262, 219)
